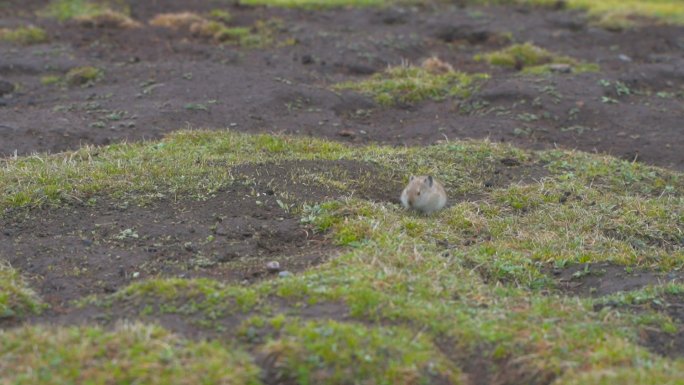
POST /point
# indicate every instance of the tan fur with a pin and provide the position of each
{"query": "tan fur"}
(422, 196)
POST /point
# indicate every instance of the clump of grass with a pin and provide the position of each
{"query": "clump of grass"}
(221, 15)
(614, 14)
(132, 353)
(410, 84)
(334, 352)
(316, 3)
(262, 34)
(16, 299)
(87, 11)
(182, 20)
(107, 19)
(24, 35)
(532, 59)
(436, 66)
(81, 76)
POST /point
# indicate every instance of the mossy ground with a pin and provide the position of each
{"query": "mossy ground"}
(24, 35)
(410, 84)
(532, 59)
(411, 290)
(613, 14)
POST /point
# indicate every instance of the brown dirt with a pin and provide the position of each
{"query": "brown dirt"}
(152, 74)
(601, 279)
(78, 250)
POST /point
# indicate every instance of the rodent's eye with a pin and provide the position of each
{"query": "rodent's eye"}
(418, 192)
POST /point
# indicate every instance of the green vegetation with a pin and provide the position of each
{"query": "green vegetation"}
(264, 33)
(64, 10)
(413, 297)
(614, 14)
(133, 353)
(80, 76)
(409, 84)
(315, 3)
(24, 35)
(16, 300)
(532, 59)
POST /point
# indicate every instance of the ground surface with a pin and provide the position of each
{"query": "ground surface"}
(152, 76)
(547, 266)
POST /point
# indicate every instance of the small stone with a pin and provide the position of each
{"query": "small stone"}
(284, 274)
(136, 274)
(624, 58)
(273, 267)
(6, 87)
(307, 59)
(561, 68)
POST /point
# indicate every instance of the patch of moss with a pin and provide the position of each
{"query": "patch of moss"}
(614, 14)
(263, 33)
(409, 84)
(64, 10)
(332, 352)
(221, 15)
(24, 35)
(49, 80)
(16, 299)
(532, 59)
(132, 353)
(315, 3)
(81, 76)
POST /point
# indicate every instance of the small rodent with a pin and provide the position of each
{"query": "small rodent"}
(424, 194)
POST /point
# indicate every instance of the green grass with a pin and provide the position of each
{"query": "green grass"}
(132, 353)
(614, 14)
(81, 76)
(16, 299)
(24, 35)
(64, 10)
(415, 297)
(409, 84)
(532, 59)
(315, 3)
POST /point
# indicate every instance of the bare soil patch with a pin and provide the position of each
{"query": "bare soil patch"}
(78, 250)
(158, 80)
(600, 279)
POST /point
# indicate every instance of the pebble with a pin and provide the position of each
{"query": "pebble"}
(284, 274)
(273, 267)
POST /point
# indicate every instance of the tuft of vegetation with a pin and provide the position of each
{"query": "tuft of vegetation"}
(262, 34)
(85, 10)
(107, 19)
(614, 14)
(132, 353)
(532, 59)
(83, 76)
(16, 299)
(315, 3)
(24, 35)
(410, 84)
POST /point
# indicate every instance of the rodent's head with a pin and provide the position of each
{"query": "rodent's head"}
(419, 190)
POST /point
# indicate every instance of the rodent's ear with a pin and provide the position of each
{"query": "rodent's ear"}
(429, 180)
(411, 178)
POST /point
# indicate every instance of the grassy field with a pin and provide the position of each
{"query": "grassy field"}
(468, 295)
(417, 297)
